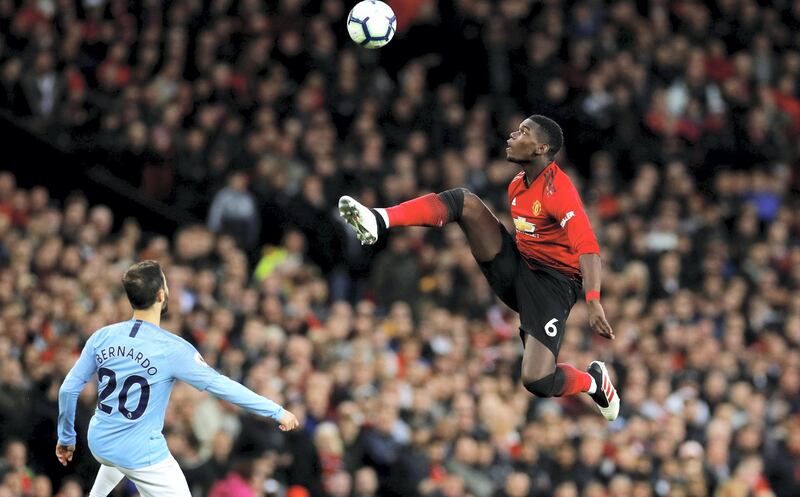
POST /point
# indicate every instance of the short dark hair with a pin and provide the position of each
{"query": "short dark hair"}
(552, 132)
(142, 281)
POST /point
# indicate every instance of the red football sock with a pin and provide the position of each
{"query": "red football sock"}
(576, 381)
(428, 210)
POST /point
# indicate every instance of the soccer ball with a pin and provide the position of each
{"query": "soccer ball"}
(371, 23)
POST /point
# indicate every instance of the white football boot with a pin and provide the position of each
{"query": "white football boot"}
(606, 396)
(361, 218)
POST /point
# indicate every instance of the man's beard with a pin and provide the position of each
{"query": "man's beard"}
(165, 308)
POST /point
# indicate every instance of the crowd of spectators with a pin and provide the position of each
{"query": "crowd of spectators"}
(681, 123)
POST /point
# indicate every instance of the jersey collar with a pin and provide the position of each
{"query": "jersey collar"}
(525, 175)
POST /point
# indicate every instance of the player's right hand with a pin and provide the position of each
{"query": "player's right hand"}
(288, 421)
(64, 453)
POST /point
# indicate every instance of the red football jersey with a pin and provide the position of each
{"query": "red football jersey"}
(552, 227)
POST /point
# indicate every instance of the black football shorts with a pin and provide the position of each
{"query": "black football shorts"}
(543, 297)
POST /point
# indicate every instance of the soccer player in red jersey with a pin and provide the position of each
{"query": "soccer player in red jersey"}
(539, 272)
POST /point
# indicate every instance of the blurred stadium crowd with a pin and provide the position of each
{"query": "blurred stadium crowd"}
(681, 122)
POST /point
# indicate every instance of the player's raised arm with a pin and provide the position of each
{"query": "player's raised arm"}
(68, 394)
(189, 366)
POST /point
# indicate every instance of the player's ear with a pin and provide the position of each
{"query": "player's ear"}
(544, 148)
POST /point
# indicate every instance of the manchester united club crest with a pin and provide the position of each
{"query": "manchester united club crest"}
(537, 208)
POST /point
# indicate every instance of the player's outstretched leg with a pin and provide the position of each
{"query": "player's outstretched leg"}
(543, 377)
(434, 209)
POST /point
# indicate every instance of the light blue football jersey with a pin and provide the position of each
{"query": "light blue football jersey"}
(136, 363)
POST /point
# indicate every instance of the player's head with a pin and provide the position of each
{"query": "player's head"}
(537, 136)
(146, 286)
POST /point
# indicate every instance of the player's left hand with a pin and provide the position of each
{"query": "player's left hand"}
(288, 421)
(598, 321)
(64, 453)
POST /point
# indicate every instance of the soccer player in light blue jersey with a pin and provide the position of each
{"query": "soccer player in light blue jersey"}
(136, 363)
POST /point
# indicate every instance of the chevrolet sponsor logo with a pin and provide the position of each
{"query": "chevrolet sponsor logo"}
(522, 225)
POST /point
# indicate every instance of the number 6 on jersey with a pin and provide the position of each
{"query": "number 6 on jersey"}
(550, 328)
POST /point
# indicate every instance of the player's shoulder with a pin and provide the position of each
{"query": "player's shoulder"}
(179, 343)
(559, 177)
(181, 349)
(556, 172)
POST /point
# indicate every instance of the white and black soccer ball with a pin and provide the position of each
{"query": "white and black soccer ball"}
(371, 23)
